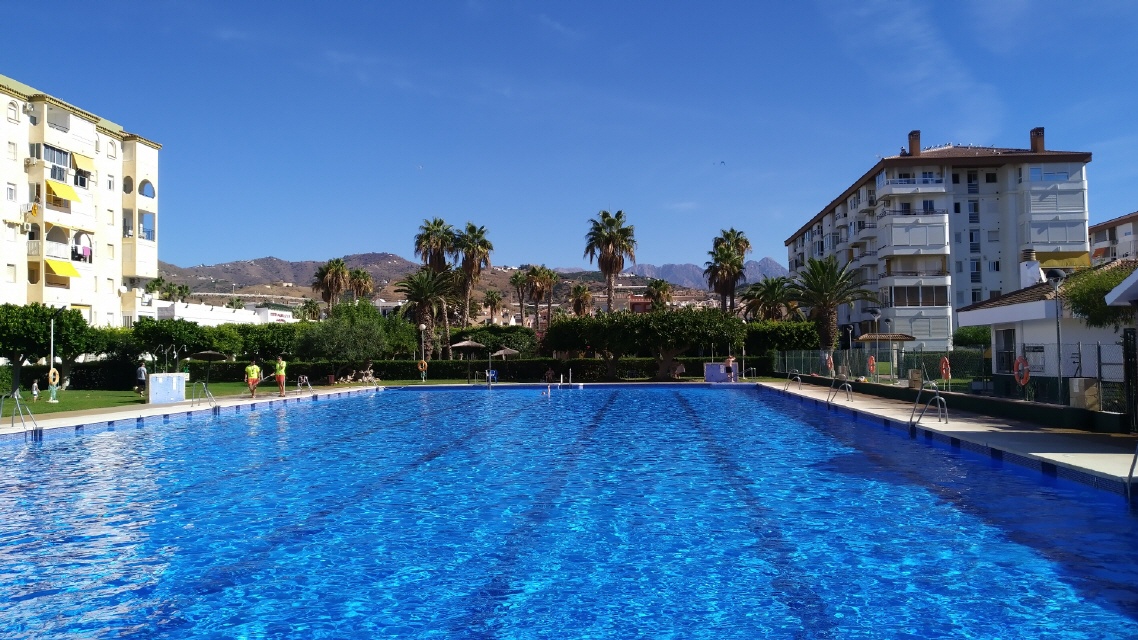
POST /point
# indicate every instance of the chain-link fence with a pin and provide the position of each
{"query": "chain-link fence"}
(1091, 377)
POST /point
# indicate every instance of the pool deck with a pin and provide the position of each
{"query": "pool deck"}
(1101, 460)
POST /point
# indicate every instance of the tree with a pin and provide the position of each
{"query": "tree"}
(737, 239)
(609, 241)
(581, 299)
(433, 243)
(330, 281)
(156, 287)
(360, 283)
(550, 280)
(235, 303)
(767, 299)
(269, 340)
(428, 295)
(308, 310)
(472, 249)
(352, 336)
(667, 334)
(492, 300)
(822, 287)
(1085, 292)
(154, 336)
(979, 336)
(724, 272)
(660, 293)
(25, 334)
(519, 280)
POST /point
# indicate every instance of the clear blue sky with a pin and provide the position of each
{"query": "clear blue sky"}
(315, 130)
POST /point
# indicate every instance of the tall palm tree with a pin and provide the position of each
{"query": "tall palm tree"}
(609, 241)
(581, 299)
(659, 292)
(428, 295)
(433, 243)
(235, 303)
(768, 299)
(330, 280)
(308, 310)
(551, 279)
(519, 280)
(535, 285)
(735, 238)
(823, 286)
(724, 272)
(492, 300)
(473, 252)
(360, 283)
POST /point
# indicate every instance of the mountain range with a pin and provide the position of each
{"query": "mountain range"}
(276, 277)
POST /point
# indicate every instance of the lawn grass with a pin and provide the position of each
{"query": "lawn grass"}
(73, 400)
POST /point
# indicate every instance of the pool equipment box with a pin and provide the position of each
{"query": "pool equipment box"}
(167, 388)
(717, 372)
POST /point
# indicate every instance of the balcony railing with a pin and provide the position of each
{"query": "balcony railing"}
(921, 273)
(904, 181)
(911, 212)
(49, 249)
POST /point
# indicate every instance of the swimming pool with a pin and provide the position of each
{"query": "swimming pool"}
(604, 513)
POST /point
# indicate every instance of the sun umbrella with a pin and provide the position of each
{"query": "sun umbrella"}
(468, 344)
(505, 351)
(208, 357)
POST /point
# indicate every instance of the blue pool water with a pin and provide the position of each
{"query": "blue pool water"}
(598, 513)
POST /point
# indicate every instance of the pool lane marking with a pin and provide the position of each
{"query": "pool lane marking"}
(792, 587)
(485, 599)
(220, 577)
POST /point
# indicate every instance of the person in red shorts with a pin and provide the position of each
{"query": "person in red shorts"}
(279, 372)
(252, 377)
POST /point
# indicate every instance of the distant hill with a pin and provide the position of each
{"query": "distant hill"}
(273, 273)
(690, 275)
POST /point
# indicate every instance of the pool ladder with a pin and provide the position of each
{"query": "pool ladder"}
(941, 405)
(1129, 478)
(835, 388)
(791, 377)
(20, 409)
(204, 396)
(301, 382)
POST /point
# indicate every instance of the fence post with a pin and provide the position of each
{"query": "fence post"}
(1129, 361)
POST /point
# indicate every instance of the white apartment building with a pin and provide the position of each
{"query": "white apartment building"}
(79, 213)
(1114, 239)
(935, 229)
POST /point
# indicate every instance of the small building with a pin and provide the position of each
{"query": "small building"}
(204, 314)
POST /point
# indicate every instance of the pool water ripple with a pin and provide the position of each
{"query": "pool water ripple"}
(607, 513)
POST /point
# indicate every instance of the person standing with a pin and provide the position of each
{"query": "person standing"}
(280, 373)
(252, 377)
(35, 390)
(140, 378)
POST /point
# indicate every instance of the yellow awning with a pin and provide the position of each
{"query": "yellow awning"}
(83, 162)
(61, 268)
(60, 190)
(1059, 259)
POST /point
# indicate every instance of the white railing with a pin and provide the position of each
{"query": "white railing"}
(49, 249)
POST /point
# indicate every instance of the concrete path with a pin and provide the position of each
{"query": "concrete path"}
(1101, 460)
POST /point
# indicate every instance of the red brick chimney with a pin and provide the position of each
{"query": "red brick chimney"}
(1037, 140)
(915, 142)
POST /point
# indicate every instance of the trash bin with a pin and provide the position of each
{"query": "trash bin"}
(331, 378)
(916, 378)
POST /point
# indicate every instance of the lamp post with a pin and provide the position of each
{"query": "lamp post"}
(53, 388)
(423, 350)
(892, 369)
(849, 346)
(875, 314)
(1055, 279)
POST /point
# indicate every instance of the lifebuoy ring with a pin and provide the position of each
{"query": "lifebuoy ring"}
(422, 365)
(945, 368)
(1022, 371)
(52, 376)
(872, 365)
(829, 362)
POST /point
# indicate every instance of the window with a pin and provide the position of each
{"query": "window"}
(974, 270)
(146, 189)
(994, 265)
(977, 295)
(81, 178)
(974, 212)
(59, 174)
(10, 272)
(1019, 175)
(974, 241)
(11, 150)
(110, 252)
(906, 208)
(110, 183)
(928, 177)
(956, 178)
(96, 144)
(960, 266)
(993, 294)
(990, 178)
(13, 112)
(973, 182)
(927, 206)
(1039, 175)
(110, 287)
(110, 217)
(11, 192)
(111, 152)
(956, 207)
(994, 235)
(56, 156)
(956, 237)
(127, 184)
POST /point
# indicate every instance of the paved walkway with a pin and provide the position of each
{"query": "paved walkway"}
(1098, 459)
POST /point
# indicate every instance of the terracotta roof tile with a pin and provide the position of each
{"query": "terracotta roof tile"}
(1040, 292)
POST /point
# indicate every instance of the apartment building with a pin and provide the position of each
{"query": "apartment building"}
(79, 216)
(934, 229)
(1114, 239)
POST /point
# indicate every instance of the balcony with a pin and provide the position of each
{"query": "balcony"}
(911, 212)
(909, 186)
(897, 277)
(49, 249)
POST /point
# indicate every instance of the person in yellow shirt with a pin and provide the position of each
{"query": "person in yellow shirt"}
(252, 377)
(280, 373)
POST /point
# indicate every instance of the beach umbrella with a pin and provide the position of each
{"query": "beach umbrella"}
(468, 344)
(208, 357)
(505, 351)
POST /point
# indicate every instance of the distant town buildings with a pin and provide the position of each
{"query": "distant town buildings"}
(1114, 239)
(79, 213)
(937, 228)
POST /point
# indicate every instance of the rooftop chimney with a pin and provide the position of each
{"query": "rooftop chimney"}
(915, 141)
(1036, 140)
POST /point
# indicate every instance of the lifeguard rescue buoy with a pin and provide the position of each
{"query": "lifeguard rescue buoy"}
(53, 376)
(1022, 371)
(422, 365)
(945, 368)
(829, 362)
(872, 364)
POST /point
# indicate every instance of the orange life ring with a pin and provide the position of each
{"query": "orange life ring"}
(53, 376)
(829, 362)
(422, 365)
(945, 368)
(872, 365)
(1022, 371)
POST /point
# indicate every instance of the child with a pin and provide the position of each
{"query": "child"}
(35, 390)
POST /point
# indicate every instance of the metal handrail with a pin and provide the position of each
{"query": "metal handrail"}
(206, 395)
(941, 405)
(20, 409)
(1129, 477)
(303, 381)
(791, 376)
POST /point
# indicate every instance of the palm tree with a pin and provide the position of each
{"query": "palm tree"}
(308, 310)
(823, 286)
(724, 272)
(235, 303)
(360, 283)
(330, 281)
(610, 242)
(433, 243)
(428, 294)
(581, 299)
(735, 238)
(768, 299)
(520, 282)
(473, 251)
(659, 292)
(492, 300)
(535, 284)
